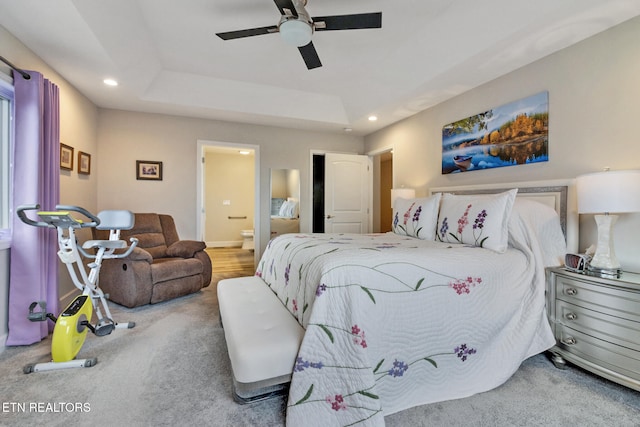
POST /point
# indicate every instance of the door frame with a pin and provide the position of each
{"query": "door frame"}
(313, 152)
(202, 145)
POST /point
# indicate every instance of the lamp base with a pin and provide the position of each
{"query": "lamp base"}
(607, 273)
(605, 256)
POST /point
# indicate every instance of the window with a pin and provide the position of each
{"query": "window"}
(6, 160)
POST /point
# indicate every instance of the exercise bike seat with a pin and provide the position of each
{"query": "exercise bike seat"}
(107, 244)
(116, 220)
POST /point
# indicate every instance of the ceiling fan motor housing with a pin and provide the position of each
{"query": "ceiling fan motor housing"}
(296, 30)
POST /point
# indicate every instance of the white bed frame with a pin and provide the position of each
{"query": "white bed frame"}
(558, 194)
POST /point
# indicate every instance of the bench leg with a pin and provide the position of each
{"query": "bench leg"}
(267, 393)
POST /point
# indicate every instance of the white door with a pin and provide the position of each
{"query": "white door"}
(347, 190)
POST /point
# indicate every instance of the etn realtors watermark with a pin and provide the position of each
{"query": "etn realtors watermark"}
(45, 407)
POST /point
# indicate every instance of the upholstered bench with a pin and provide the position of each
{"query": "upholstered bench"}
(262, 337)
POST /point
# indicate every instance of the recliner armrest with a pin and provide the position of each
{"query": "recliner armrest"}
(140, 254)
(185, 248)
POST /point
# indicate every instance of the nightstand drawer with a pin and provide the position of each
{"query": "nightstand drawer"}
(610, 356)
(612, 329)
(602, 298)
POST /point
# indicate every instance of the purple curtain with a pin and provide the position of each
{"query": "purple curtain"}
(36, 178)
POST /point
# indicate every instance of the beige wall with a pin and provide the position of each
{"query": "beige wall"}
(125, 137)
(228, 178)
(594, 104)
(78, 129)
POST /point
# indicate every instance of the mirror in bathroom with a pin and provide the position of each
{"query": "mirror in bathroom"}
(285, 201)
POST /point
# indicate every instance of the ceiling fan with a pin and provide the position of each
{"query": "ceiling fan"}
(296, 27)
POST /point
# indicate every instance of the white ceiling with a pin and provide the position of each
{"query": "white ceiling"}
(167, 58)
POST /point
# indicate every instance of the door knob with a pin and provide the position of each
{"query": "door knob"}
(329, 216)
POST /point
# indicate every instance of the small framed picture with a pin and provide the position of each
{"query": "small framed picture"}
(84, 163)
(66, 157)
(146, 169)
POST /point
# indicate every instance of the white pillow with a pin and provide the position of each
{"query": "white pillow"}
(289, 209)
(544, 223)
(477, 219)
(285, 209)
(416, 217)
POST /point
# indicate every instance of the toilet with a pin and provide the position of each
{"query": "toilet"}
(247, 239)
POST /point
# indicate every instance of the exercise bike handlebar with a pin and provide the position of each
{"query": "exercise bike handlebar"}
(94, 219)
(134, 243)
(21, 212)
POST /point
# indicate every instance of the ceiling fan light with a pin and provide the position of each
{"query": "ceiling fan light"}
(296, 32)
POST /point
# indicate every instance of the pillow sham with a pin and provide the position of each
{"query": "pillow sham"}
(543, 223)
(476, 219)
(416, 217)
(288, 209)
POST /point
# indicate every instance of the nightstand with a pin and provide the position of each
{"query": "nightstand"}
(596, 322)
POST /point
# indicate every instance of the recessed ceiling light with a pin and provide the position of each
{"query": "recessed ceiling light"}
(244, 152)
(373, 118)
(110, 82)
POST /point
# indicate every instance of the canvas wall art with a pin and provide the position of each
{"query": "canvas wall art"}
(513, 134)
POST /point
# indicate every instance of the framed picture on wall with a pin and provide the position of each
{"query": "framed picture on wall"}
(66, 157)
(509, 135)
(84, 163)
(149, 170)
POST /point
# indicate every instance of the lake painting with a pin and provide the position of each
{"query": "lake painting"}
(513, 134)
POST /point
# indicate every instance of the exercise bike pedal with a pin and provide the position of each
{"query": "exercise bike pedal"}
(104, 329)
(39, 316)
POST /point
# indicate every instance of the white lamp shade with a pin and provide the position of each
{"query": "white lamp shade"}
(402, 193)
(609, 192)
(296, 32)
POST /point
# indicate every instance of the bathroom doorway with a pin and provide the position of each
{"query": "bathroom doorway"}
(228, 194)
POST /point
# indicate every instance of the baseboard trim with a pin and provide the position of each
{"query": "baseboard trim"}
(225, 244)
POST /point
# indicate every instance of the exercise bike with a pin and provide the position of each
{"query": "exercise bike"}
(71, 326)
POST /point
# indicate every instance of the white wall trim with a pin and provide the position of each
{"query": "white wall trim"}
(224, 244)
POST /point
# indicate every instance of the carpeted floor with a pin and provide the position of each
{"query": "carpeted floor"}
(172, 369)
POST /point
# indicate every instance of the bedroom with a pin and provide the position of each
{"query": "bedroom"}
(593, 91)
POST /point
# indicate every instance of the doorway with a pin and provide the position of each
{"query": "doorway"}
(228, 205)
(386, 184)
(341, 193)
(382, 161)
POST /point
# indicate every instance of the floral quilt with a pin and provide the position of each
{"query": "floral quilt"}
(394, 322)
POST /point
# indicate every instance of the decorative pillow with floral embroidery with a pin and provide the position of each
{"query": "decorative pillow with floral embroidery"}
(479, 220)
(416, 217)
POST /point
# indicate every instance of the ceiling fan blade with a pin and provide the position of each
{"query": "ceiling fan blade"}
(286, 5)
(230, 35)
(310, 56)
(348, 22)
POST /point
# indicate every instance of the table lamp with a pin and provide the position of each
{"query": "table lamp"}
(603, 193)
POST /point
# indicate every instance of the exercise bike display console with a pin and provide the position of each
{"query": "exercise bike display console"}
(75, 306)
(71, 326)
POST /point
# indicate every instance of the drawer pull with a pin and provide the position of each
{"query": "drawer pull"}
(569, 341)
(571, 291)
(571, 316)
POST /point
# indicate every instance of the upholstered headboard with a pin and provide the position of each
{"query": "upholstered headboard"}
(558, 194)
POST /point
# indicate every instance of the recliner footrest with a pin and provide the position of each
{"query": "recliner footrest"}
(262, 336)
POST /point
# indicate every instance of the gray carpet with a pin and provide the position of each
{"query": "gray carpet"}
(172, 369)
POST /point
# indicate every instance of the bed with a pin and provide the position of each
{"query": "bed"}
(284, 225)
(447, 305)
(284, 216)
